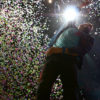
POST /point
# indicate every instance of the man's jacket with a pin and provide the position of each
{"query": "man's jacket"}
(68, 38)
(71, 38)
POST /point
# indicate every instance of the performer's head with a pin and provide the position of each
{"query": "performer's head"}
(86, 28)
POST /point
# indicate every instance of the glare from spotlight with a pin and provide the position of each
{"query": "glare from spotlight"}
(70, 14)
(50, 1)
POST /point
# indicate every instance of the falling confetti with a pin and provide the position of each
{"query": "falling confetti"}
(23, 40)
(21, 28)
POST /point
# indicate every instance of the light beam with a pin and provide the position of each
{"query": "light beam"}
(71, 13)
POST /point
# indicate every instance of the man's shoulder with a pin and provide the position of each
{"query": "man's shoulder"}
(73, 30)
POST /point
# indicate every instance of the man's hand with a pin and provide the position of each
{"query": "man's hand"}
(53, 50)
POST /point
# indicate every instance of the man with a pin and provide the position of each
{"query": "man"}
(62, 62)
(85, 44)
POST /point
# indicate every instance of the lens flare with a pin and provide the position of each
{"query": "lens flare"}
(71, 14)
(50, 1)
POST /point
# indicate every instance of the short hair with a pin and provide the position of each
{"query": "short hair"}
(87, 27)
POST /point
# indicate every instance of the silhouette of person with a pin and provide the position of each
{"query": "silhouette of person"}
(67, 51)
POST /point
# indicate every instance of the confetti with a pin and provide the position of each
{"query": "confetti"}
(23, 40)
(20, 41)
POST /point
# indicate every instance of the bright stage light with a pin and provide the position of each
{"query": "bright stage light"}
(71, 13)
(50, 1)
